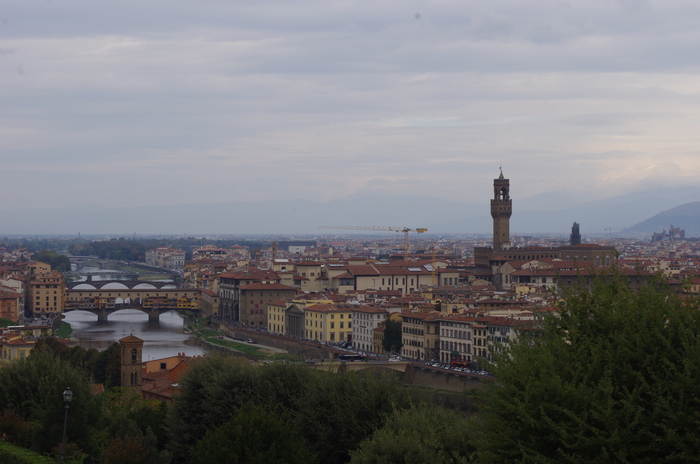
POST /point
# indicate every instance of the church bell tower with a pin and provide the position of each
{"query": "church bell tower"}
(131, 349)
(501, 210)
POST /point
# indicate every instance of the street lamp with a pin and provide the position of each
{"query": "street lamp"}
(67, 396)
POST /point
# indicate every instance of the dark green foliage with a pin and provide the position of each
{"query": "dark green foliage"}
(33, 388)
(106, 368)
(75, 356)
(15, 455)
(338, 411)
(128, 444)
(6, 322)
(151, 416)
(416, 436)
(215, 388)
(211, 392)
(334, 412)
(17, 429)
(616, 379)
(253, 435)
(131, 425)
(392, 337)
(57, 262)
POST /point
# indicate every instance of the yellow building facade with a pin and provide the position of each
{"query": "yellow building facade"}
(328, 322)
(47, 293)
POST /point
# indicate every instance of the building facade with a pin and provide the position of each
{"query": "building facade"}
(254, 299)
(46, 294)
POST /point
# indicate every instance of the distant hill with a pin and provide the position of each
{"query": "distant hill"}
(685, 216)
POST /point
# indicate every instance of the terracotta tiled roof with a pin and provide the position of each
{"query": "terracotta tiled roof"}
(261, 286)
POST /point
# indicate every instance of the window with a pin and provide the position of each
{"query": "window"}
(163, 366)
(134, 354)
(332, 325)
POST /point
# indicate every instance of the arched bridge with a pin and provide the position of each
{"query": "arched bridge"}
(152, 301)
(130, 284)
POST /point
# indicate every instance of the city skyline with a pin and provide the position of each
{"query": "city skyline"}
(162, 104)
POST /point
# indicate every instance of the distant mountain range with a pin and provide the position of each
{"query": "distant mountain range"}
(552, 213)
(685, 216)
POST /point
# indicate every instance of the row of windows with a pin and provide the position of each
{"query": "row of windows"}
(412, 331)
(456, 334)
(455, 346)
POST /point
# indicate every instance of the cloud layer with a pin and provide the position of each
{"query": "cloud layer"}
(176, 102)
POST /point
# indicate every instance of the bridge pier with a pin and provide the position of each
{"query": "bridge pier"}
(153, 315)
(102, 315)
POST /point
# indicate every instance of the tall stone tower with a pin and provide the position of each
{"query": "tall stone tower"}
(131, 362)
(575, 237)
(501, 210)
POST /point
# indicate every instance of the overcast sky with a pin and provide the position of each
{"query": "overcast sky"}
(180, 102)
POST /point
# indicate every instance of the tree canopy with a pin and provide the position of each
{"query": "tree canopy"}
(615, 378)
(56, 261)
(331, 412)
(253, 435)
(425, 433)
(392, 336)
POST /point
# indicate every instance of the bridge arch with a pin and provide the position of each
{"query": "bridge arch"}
(83, 286)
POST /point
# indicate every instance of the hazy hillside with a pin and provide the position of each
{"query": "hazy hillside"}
(685, 216)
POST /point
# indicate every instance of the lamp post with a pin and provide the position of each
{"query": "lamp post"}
(67, 396)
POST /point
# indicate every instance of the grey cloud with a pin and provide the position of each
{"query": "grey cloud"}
(278, 92)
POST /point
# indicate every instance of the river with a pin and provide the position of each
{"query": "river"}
(162, 339)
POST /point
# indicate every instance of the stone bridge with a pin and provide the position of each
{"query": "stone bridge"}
(129, 284)
(151, 301)
(103, 313)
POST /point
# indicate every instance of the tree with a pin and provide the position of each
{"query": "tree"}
(614, 379)
(392, 336)
(107, 366)
(210, 393)
(56, 261)
(426, 433)
(253, 435)
(333, 412)
(338, 411)
(33, 388)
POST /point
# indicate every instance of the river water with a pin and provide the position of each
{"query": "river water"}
(162, 338)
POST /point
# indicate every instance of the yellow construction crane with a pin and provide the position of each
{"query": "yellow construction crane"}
(405, 230)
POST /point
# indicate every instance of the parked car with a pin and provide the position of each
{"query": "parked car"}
(250, 340)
